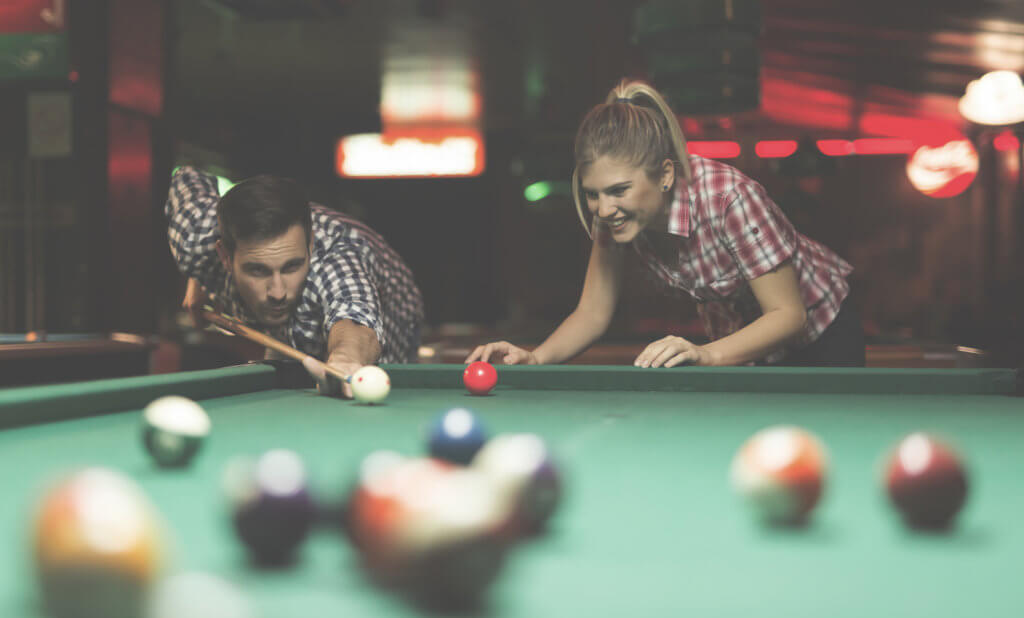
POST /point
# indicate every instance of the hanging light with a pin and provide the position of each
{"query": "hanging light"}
(996, 99)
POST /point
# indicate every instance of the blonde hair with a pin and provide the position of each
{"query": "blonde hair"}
(634, 125)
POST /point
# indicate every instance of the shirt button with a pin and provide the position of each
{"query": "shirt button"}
(755, 231)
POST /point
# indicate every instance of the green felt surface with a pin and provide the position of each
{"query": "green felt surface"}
(649, 526)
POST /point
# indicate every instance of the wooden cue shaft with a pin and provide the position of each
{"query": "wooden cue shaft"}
(265, 340)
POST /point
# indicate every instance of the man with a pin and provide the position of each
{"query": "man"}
(317, 280)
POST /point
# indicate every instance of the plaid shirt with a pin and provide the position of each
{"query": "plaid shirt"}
(353, 275)
(728, 232)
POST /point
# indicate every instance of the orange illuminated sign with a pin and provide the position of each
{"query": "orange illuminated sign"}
(411, 153)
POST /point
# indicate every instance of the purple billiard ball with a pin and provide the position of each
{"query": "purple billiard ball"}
(272, 510)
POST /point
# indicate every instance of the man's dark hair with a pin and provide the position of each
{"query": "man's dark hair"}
(261, 208)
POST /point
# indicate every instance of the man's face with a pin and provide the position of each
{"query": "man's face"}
(269, 274)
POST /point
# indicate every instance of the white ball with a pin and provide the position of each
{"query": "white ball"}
(370, 384)
(198, 595)
(174, 429)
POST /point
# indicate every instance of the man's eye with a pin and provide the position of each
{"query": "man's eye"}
(257, 272)
(618, 192)
(590, 196)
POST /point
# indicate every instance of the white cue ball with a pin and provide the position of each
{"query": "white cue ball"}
(370, 384)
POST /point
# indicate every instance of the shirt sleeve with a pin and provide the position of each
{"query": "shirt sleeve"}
(348, 290)
(755, 231)
(192, 231)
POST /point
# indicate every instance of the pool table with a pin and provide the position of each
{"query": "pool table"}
(649, 525)
(49, 358)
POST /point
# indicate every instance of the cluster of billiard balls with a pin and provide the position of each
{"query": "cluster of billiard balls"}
(438, 527)
(780, 471)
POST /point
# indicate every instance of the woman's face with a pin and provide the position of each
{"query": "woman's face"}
(623, 198)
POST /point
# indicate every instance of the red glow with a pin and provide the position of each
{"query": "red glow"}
(24, 16)
(1005, 142)
(922, 131)
(835, 147)
(73, 76)
(790, 97)
(775, 149)
(715, 150)
(785, 101)
(874, 146)
(691, 126)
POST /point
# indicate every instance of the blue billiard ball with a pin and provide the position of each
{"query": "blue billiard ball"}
(456, 435)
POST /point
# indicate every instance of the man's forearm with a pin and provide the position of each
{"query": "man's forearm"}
(353, 342)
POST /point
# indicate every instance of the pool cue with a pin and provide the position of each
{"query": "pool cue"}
(236, 327)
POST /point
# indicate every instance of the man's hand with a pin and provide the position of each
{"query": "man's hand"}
(671, 351)
(510, 354)
(327, 384)
(196, 297)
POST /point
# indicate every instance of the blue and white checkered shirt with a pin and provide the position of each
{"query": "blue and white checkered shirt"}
(354, 274)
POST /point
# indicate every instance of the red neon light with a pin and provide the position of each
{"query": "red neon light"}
(835, 147)
(1005, 142)
(714, 150)
(919, 130)
(874, 146)
(775, 148)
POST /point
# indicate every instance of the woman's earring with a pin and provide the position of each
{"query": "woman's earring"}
(665, 188)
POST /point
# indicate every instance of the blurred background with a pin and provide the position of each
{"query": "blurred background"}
(447, 125)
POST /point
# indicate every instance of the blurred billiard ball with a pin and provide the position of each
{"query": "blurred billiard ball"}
(526, 477)
(456, 435)
(926, 482)
(173, 429)
(98, 546)
(198, 595)
(780, 473)
(271, 508)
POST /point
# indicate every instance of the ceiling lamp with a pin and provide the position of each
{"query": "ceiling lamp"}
(996, 99)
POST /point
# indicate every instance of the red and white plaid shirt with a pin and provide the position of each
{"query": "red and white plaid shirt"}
(729, 231)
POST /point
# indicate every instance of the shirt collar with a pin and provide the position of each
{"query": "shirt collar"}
(679, 212)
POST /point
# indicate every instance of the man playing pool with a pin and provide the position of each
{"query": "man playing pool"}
(313, 278)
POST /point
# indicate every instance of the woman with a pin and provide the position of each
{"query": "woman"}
(765, 293)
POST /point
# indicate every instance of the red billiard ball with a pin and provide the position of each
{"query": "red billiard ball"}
(780, 473)
(479, 377)
(926, 481)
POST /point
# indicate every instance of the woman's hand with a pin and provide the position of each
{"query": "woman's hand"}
(671, 351)
(509, 354)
